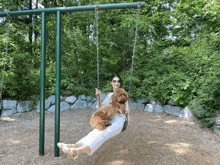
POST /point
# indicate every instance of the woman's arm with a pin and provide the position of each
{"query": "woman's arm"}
(98, 93)
(100, 101)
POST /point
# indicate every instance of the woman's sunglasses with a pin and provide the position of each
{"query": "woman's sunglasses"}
(114, 81)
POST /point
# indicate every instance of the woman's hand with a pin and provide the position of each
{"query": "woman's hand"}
(98, 92)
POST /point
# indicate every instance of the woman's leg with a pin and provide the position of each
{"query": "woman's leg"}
(61, 145)
(84, 149)
(76, 145)
(74, 152)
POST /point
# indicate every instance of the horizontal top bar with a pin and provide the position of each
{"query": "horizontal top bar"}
(72, 9)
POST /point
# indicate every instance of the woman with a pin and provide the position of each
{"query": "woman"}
(90, 143)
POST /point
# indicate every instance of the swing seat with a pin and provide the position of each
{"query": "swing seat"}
(125, 123)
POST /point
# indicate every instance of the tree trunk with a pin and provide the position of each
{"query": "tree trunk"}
(30, 27)
(45, 3)
(35, 32)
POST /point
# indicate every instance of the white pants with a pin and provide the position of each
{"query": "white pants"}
(96, 138)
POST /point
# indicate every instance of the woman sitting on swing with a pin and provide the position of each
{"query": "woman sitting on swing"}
(90, 143)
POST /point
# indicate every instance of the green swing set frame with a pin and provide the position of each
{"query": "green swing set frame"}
(59, 11)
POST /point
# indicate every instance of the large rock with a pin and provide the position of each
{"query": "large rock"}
(149, 108)
(82, 97)
(6, 113)
(90, 104)
(90, 99)
(172, 110)
(79, 104)
(158, 108)
(71, 99)
(9, 104)
(187, 114)
(216, 127)
(24, 106)
(139, 104)
(93, 105)
(9, 108)
(154, 108)
(63, 106)
(49, 101)
(52, 99)
(47, 104)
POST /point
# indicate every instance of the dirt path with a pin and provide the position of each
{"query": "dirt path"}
(150, 139)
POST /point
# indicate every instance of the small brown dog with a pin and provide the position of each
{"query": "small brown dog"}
(99, 119)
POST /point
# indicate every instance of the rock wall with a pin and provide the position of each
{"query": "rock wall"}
(11, 107)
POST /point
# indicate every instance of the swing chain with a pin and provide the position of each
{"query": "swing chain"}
(128, 114)
(97, 46)
(135, 40)
(6, 52)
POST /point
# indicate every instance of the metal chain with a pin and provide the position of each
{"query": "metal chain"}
(97, 46)
(128, 116)
(6, 52)
(135, 40)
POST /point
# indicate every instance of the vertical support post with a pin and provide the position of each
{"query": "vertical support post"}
(42, 84)
(57, 94)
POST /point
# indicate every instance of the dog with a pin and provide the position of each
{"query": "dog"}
(99, 119)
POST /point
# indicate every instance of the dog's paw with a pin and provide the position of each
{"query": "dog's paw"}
(105, 123)
(101, 127)
(93, 124)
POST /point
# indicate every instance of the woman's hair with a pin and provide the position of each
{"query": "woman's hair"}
(117, 75)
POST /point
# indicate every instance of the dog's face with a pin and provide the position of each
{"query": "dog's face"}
(120, 96)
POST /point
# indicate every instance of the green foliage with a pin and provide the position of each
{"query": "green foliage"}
(203, 113)
(34, 100)
(207, 122)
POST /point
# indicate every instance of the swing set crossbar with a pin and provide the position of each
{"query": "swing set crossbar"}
(58, 12)
(73, 9)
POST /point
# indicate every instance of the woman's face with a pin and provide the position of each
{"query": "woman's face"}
(115, 82)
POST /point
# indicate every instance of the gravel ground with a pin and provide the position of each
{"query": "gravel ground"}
(150, 139)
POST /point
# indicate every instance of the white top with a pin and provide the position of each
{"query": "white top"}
(107, 99)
